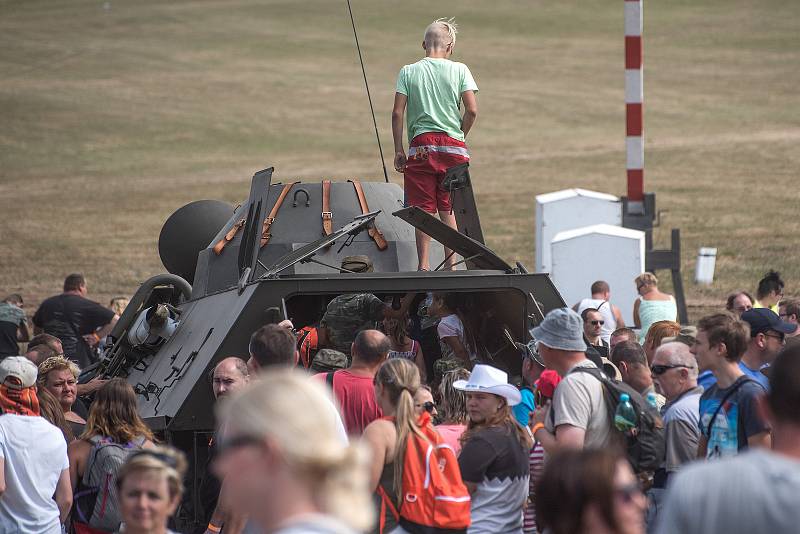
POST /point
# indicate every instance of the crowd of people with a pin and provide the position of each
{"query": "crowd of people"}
(355, 424)
(543, 455)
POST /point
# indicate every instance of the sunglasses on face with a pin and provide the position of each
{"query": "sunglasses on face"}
(661, 369)
(777, 335)
(427, 406)
(595, 323)
(237, 442)
(628, 492)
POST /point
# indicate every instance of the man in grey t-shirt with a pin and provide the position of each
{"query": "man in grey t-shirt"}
(580, 416)
(675, 372)
(755, 491)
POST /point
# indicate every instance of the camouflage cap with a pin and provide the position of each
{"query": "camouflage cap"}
(328, 360)
(445, 365)
(357, 264)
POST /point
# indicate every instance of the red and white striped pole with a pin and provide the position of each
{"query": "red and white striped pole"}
(634, 94)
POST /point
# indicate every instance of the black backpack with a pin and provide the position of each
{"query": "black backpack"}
(645, 447)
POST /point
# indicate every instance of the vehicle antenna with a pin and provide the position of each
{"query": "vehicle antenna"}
(369, 97)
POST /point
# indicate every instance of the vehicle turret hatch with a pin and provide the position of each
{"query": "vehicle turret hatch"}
(475, 254)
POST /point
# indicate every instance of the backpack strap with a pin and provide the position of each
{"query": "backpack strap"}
(97, 443)
(386, 504)
(734, 388)
(329, 379)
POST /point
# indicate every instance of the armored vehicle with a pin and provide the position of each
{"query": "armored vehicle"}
(278, 255)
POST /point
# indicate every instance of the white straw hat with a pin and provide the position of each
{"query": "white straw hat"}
(487, 379)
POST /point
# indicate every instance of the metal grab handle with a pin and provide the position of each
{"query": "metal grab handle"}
(297, 192)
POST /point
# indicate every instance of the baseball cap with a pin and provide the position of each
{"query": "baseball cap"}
(763, 320)
(547, 383)
(18, 367)
(561, 329)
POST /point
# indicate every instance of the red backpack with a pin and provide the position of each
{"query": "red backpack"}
(307, 344)
(433, 494)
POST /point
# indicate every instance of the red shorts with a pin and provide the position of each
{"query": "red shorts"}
(429, 157)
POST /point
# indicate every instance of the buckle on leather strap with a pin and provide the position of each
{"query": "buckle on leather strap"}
(327, 215)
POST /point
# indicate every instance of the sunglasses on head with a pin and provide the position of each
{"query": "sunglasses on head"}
(163, 458)
(661, 369)
(427, 406)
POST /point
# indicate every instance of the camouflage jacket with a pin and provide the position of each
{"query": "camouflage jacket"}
(347, 315)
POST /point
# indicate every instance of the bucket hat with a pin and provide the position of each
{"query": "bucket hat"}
(561, 329)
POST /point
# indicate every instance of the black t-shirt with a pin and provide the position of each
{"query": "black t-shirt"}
(69, 317)
(209, 488)
(496, 462)
(10, 319)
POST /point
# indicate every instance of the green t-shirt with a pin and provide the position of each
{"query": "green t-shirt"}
(433, 87)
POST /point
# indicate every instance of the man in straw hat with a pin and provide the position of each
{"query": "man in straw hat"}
(580, 417)
(494, 457)
(34, 469)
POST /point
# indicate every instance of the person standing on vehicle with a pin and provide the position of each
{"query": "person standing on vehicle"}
(433, 89)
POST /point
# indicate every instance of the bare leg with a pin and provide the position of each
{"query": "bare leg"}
(449, 219)
(423, 248)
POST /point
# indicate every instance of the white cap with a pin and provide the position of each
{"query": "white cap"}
(18, 367)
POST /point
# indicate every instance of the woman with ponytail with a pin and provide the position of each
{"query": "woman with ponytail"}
(288, 469)
(396, 382)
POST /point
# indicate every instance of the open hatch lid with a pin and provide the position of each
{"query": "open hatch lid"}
(306, 252)
(476, 255)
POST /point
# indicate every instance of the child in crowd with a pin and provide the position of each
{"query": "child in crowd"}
(402, 345)
(544, 390)
(455, 335)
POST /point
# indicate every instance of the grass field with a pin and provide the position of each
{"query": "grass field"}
(115, 114)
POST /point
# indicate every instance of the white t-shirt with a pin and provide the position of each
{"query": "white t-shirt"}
(451, 326)
(604, 307)
(35, 455)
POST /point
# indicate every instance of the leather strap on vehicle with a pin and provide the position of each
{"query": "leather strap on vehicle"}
(228, 237)
(327, 216)
(372, 229)
(265, 235)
